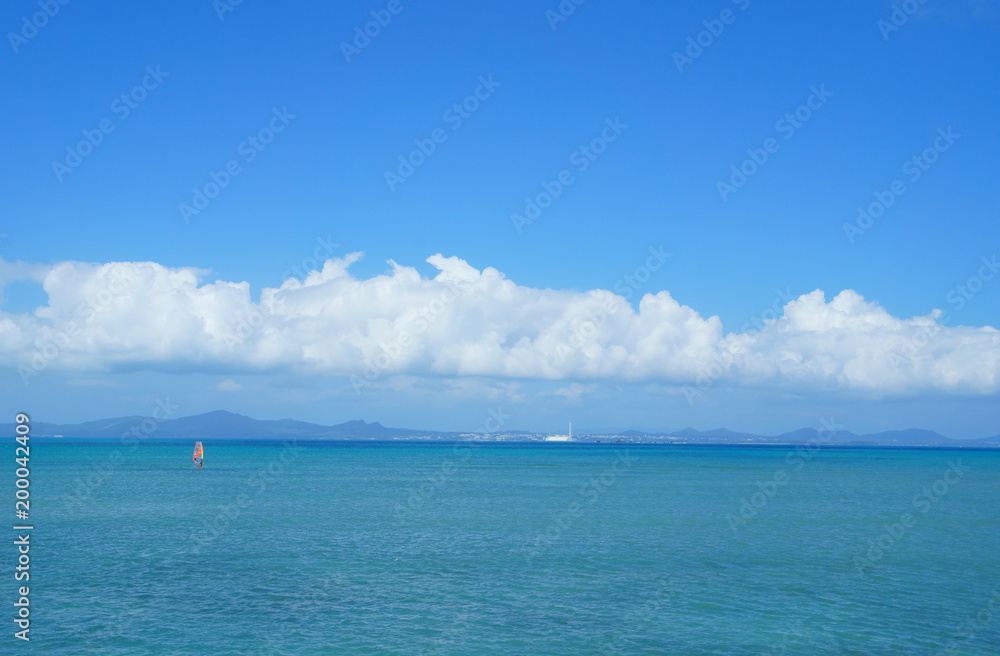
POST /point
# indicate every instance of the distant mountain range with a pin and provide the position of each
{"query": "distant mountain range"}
(227, 425)
(221, 424)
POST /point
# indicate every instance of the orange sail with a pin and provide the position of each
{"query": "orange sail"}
(199, 454)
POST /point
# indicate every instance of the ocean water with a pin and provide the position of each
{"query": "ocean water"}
(508, 549)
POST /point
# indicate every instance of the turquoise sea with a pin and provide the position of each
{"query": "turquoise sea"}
(351, 548)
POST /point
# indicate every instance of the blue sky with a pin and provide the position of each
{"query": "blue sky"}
(739, 256)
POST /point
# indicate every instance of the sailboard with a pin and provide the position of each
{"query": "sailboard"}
(198, 457)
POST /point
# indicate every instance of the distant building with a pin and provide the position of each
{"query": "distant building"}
(561, 438)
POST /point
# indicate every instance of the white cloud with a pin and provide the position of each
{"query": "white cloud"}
(850, 343)
(16, 272)
(472, 324)
(11, 271)
(573, 392)
(228, 385)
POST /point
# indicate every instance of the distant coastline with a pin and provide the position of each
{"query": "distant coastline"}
(223, 425)
(962, 445)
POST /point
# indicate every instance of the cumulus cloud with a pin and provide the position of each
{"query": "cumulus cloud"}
(467, 324)
(850, 343)
(13, 271)
(573, 392)
(18, 272)
(228, 385)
